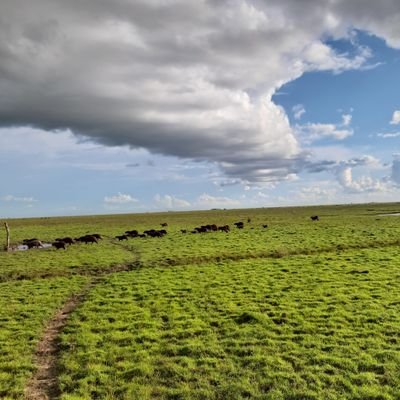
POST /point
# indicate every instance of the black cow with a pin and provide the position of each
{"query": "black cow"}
(87, 239)
(155, 233)
(132, 233)
(66, 240)
(121, 237)
(239, 225)
(224, 228)
(314, 218)
(265, 226)
(59, 244)
(34, 243)
(164, 224)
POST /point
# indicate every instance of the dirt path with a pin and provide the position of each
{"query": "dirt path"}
(44, 385)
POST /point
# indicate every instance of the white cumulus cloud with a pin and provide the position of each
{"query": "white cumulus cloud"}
(312, 132)
(208, 201)
(346, 119)
(298, 111)
(364, 184)
(170, 202)
(120, 199)
(395, 118)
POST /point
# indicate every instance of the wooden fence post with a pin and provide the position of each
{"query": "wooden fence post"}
(7, 246)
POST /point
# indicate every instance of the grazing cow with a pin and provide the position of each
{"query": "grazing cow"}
(155, 233)
(34, 243)
(314, 218)
(205, 228)
(224, 228)
(184, 230)
(87, 239)
(66, 240)
(132, 233)
(164, 224)
(239, 225)
(208, 228)
(121, 237)
(265, 226)
(59, 244)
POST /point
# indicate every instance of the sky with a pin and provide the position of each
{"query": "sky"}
(170, 105)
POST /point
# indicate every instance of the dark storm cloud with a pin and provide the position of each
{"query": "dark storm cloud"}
(192, 79)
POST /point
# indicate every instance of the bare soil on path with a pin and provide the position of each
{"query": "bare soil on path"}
(44, 383)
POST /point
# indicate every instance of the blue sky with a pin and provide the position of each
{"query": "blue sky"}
(370, 95)
(197, 105)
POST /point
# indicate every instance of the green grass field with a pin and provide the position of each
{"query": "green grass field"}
(298, 310)
(310, 327)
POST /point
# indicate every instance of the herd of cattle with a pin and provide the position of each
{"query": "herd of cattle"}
(62, 243)
(162, 232)
(148, 233)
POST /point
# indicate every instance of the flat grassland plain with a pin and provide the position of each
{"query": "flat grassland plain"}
(297, 310)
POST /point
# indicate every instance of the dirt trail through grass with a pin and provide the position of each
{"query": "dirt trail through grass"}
(44, 384)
